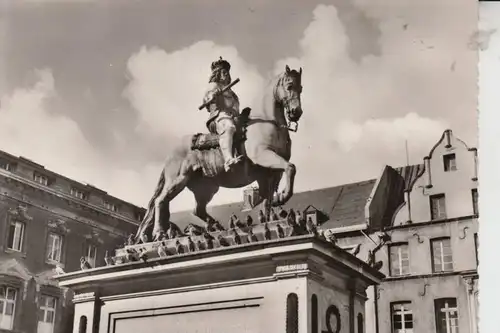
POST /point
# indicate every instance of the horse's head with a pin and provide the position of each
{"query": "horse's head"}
(288, 93)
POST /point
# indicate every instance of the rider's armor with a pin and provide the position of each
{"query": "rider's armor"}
(224, 109)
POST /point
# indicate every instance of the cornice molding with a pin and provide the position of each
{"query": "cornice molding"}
(61, 195)
(74, 218)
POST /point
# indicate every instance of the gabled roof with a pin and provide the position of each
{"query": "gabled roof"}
(344, 205)
(410, 174)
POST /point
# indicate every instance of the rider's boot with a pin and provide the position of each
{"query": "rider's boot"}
(226, 146)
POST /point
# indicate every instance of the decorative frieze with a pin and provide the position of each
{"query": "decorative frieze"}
(20, 213)
(84, 297)
(95, 236)
(59, 225)
(291, 268)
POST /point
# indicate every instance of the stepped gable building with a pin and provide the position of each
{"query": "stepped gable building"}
(49, 221)
(417, 223)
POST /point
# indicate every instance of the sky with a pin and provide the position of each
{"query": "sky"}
(100, 90)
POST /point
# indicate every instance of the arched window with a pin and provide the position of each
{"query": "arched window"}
(292, 313)
(82, 327)
(314, 313)
(360, 323)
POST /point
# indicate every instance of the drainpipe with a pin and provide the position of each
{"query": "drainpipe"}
(408, 205)
(375, 293)
(471, 304)
(474, 151)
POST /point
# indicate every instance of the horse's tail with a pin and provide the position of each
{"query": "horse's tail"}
(148, 217)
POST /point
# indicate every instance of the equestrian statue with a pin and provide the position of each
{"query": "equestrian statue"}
(239, 149)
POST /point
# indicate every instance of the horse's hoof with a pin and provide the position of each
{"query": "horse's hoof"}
(278, 199)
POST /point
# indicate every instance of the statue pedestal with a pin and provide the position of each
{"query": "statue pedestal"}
(295, 285)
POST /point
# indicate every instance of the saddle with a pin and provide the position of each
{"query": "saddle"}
(207, 141)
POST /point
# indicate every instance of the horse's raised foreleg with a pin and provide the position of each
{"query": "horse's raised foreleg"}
(269, 159)
(203, 192)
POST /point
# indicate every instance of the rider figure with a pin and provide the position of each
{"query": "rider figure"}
(224, 109)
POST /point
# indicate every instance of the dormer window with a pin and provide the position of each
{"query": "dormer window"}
(7, 166)
(77, 193)
(110, 206)
(313, 216)
(450, 162)
(41, 179)
(139, 215)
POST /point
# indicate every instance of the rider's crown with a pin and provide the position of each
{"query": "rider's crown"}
(220, 64)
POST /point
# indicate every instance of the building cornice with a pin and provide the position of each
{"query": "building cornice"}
(64, 196)
(242, 253)
(431, 275)
(69, 216)
(428, 223)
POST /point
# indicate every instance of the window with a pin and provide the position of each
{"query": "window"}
(7, 166)
(438, 207)
(476, 245)
(475, 208)
(139, 216)
(7, 307)
(91, 254)
(442, 259)
(450, 162)
(313, 216)
(292, 313)
(16, 236)
(446, 314)
(54, 247)
(78, 193)
(399, 259)
(110, 206)
(39, 178)
(402, 317)
(360, 323)
(314, 314)
(82, 327)
(46, 314)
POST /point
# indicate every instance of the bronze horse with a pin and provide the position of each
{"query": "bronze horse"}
(266, 147)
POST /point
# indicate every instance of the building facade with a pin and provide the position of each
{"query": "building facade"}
(431, 259)
(417, 223)
(49, 221)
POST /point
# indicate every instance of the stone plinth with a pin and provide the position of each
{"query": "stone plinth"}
(297, 284)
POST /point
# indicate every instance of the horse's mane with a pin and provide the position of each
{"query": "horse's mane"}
(277, 80)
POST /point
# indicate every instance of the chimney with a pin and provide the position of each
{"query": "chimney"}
(427, 163)
(447, 133)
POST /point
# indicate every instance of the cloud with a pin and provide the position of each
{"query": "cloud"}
(388, 133)
(360, 105)
(360, 112)
(167, 88)
(28, 129)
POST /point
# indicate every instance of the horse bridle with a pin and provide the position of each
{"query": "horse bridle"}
(292, 126)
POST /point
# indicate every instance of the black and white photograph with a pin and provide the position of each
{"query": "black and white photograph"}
(247, 166)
